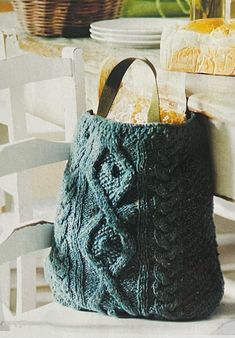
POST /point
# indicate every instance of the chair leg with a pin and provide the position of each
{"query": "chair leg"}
(3, 324)
(26, 284)
(5, 283)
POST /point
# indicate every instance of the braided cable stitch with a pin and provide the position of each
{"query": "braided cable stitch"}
(134, 234)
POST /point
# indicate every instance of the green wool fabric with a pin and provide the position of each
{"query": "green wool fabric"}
(134, 234)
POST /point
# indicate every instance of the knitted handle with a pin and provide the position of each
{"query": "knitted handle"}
(112, 85)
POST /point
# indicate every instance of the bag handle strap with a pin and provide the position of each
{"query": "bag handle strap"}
(112, 85)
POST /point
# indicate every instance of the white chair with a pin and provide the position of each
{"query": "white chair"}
(16, 72)
(14, 157)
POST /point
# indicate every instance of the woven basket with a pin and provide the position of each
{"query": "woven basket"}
(64, 17)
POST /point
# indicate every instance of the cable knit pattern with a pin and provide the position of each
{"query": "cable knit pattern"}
(134, 233)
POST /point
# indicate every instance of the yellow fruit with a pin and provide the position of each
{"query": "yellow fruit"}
(204, 25)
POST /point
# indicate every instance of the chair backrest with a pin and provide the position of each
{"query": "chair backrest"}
(18, 69)
(16, 156)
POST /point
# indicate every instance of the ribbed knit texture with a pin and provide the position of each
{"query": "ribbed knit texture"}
(134, 234)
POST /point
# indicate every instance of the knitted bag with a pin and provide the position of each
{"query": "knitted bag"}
(134, 234)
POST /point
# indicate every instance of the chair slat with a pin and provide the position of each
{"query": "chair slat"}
(24, 240)
(13, 70)
(27, 154)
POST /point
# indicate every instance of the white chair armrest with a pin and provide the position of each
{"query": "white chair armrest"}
(30, 238)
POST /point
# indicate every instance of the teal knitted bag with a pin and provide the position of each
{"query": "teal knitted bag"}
(134, 234)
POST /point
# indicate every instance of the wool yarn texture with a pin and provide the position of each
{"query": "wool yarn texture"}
(134, 234)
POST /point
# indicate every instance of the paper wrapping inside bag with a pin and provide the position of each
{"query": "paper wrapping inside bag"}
(133, 99)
